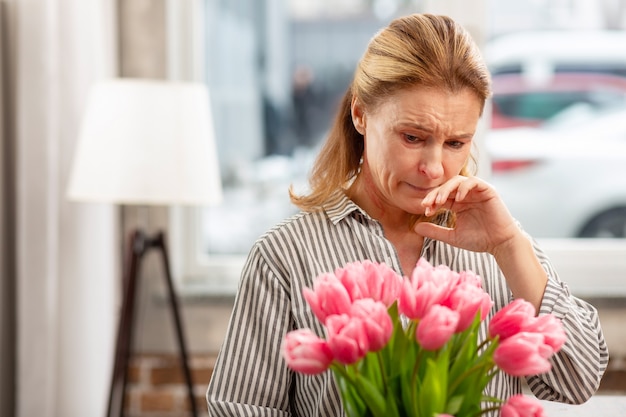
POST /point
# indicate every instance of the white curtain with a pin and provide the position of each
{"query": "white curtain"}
(68, 266)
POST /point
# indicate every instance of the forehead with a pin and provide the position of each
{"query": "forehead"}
(421, 102)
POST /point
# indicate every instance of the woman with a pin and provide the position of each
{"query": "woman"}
(392, 184)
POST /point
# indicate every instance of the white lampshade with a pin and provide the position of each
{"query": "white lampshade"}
(146, 142)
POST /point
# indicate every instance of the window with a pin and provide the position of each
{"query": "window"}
(275, 71)
(274, 76)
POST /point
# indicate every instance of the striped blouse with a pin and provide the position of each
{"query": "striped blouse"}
(250, 376)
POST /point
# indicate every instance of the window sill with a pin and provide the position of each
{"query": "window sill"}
(206, 290)
(593, 270)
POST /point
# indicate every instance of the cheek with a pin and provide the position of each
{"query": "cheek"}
(375, 153)
(378, 171)
(454, 163)
(383, 162)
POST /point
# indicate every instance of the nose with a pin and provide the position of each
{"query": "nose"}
(430, 164)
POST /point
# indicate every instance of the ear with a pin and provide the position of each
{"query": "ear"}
(358, 115)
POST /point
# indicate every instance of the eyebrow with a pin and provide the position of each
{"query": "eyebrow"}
(468, 135)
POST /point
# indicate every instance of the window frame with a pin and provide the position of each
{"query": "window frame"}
(194, 272)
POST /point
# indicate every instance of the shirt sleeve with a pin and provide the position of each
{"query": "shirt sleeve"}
(250, 374)
(578, 367)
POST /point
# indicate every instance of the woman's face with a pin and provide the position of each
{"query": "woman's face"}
(416, 140)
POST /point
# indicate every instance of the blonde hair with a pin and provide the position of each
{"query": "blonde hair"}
(415, 50)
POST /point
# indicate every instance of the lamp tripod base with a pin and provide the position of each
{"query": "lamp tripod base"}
(139, 245)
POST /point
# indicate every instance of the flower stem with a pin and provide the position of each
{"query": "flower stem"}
(483, 343)
(488, 410)
(414, 378)
(343, 371)
(381, 364)
(416, 368)
(464, 375)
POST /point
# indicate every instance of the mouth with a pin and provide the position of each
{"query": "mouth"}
(421, 191)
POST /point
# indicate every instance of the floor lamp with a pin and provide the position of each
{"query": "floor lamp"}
(146, 142)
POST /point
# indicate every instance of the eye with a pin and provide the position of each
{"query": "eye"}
(412, 138)
(455, 144)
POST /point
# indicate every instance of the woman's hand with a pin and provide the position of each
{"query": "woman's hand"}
(483, 223)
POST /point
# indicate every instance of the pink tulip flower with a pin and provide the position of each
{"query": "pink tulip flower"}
(436, 327)
(468, 299)
(368, 279)
(551, 328)
(347, 338)
(415, 302)
(305, 352)
(376, 319)
(426, 287)
(327, 297)
(383, 283)
(511, 319)
(470, 278)
(351, 277)
(523, 354)
(522, 406)
(441, 274)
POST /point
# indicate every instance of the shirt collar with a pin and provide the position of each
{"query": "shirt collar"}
(339, 206)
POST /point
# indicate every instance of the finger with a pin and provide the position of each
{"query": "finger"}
(438, 201)
(442, 193)
(465, 187)
(434, 231)
(429, 199)
(471, 185)
(447, 204)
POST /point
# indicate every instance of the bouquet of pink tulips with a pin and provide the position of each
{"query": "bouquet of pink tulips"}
(410, 346)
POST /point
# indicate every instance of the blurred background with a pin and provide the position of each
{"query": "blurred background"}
(553, 143)
(556, 66)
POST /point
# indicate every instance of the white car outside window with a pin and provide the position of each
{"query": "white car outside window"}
(567, 179)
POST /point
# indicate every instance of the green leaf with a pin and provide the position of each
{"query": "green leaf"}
(466, 354)
(370, 368)
(396, 350)
(353, 405)
(408, 394)
(370, 395)
(392, 405)
(432, 396)
(454, 405)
